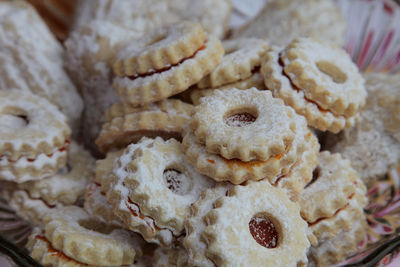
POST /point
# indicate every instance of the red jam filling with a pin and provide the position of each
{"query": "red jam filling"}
(264, 232)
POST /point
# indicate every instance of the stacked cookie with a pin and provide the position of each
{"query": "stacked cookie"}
(43, 167)
(245, 177)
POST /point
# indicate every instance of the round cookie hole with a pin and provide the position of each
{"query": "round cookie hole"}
(96, 226)
(13, 118)
(240, 117)
(336, 74)
(177, 182)
(265, 230)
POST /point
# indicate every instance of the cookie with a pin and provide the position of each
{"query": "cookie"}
(71, 231)
(326, 74)
(158, 85)
(227, 123)
(68, 185)
(31, 59)
(282, 87)
(125, 125)
(34, 137)
(154, 176)
(267, 225)
(242, 59)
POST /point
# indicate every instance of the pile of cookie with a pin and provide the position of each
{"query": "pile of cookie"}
(210, 155)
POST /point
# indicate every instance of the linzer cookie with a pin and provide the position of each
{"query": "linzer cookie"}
(72, 232)
(125, 125)
(237, 171)
(266, 224)
(160, 49)
(34, 137)
(104, 168)
(195, 245)
(282, 87)
(31, 59)
(153, 188)
(68, 185)
(227, 123)
(332, 185)
(155, 85)
(242, 59)
(326, 74)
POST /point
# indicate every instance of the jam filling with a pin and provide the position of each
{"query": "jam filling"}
(135, 211)
(240, 119)
(280, 62)
(150, 73)
(61, 149)
(336, 212)
(176, 181)
(54, 252)
(264, 232)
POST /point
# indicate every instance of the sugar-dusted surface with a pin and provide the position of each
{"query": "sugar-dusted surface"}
(32, 59)
(159, 49)
(43, 129)
(227, 234)
(280, 85)
(68, 185)
(241, 58)
(326, 75)
(269, 135)
(333, 183)
(236, 171)
(195, 225)
(159, 86)
(144, 178)
(72, 231)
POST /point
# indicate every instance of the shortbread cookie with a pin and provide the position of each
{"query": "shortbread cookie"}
(159, 50)
(375, 136)
(34, 137)
(266, 224)
(166, 257)
(280, 21)
(154, 86)
(332, 185)
(125, 125)
(241, 60)
(154, 176)
(343, 245)
(31, 59)
(195, 224)
(344, 218)
(72, 231)
(300, 173)
(326, 74)
(256, 80)
(244, 124)
(69, 184)
(98, 207)
(236, 171)
(281, 87)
